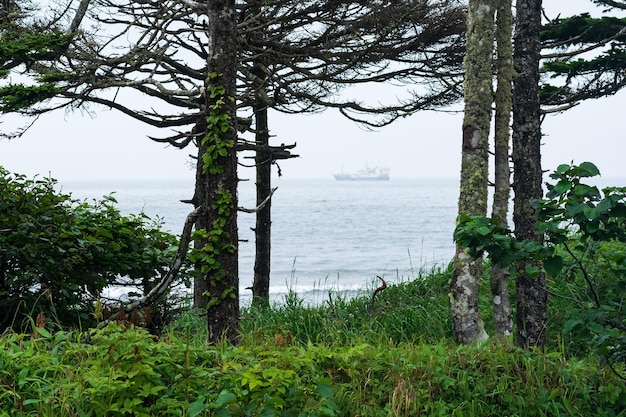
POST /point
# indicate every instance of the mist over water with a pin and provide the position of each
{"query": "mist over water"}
(325, 234)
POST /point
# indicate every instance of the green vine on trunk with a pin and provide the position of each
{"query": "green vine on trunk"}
(219, 121)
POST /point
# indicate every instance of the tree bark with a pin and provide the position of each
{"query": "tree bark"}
(531, 293)
(259, 74)
(503, 324)
(262, 230)
(467, 324)
(217, 284)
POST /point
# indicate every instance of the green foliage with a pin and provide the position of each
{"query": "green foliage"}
(18, 96)
(592, 75)
(482, 235)
(24, 48)
(343, 366)
(551, 94)
(582, 29)
(585, 254)
(128, 372)
(614, 59)
(218, 122)
(216, 241)
(572, 206)
(29, 46)
(58, 254)
(588, 226)
(406, 312)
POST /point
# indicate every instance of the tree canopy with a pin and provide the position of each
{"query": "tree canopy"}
(584, 57)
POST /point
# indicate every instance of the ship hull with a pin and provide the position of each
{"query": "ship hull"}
(343, 177)
(365, 174)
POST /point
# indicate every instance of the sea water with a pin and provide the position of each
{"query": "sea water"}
(326, 234)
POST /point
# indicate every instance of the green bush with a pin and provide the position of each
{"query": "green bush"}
(584, 256)
(57, 254)
(128, 372)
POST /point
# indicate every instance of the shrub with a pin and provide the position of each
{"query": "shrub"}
(57, 254)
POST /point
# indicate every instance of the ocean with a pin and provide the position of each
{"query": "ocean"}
(326, 234)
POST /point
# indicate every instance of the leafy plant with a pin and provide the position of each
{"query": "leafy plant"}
(588, 227)
(584, 253)
(120, 370)
(58, 253)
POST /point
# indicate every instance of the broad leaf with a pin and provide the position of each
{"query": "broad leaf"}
(588, 169)
(553, 265)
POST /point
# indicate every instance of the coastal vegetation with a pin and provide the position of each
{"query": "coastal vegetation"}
(59, 255)
(420, 347)
(393, 356)
(382, 352)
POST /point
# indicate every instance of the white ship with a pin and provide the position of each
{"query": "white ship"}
(365, 174)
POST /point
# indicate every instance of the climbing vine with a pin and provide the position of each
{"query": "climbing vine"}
(217, 146)
(218, 122)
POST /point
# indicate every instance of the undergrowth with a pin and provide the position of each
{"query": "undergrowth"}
(392, 356)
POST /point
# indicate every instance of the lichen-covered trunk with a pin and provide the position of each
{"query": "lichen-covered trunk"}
(216, 287)
(467, 324)
(531, 292)
(262, 230)
(503, 324)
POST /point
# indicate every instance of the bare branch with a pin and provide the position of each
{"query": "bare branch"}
(260, 206)
(166, 280)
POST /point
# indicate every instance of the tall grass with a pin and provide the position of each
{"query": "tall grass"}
(409, 311)
(347, 356)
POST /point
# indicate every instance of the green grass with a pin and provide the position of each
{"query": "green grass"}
(411, 311)
(344, 357)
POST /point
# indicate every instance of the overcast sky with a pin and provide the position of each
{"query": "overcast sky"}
(108, 145)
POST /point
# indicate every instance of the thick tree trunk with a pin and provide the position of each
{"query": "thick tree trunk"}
(467, 324)
(503, 324)
(527, 179)
(262, 231)
(217, 283)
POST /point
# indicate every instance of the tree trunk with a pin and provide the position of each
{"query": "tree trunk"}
(503, 324)
(217, 283)
(262, 231)
(467, 324)
(263, 160)
(527, 178)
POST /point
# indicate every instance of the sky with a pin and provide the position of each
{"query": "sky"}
(106, 145)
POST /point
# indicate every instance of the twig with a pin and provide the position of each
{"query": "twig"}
(377, 290)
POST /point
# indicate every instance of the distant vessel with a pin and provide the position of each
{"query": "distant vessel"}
(365, 174)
